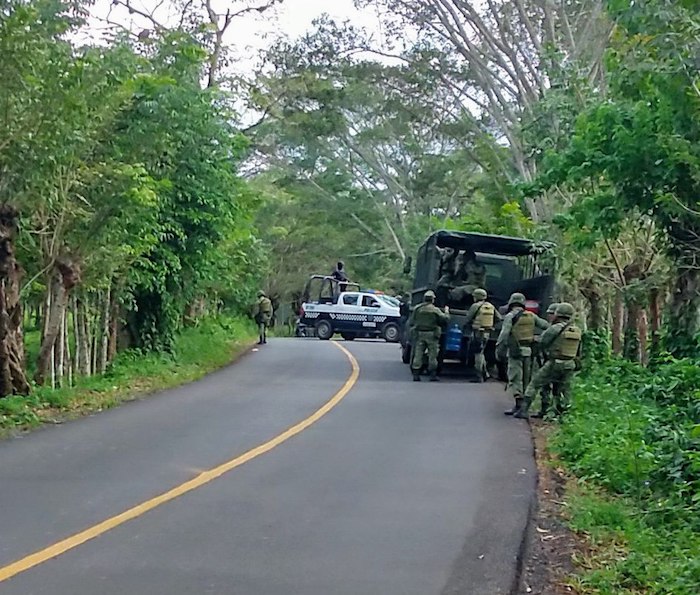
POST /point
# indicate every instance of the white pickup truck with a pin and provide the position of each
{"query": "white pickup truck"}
(354, 314)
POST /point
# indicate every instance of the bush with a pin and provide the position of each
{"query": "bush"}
(636, 433)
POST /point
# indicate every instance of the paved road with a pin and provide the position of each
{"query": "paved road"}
(401, 489)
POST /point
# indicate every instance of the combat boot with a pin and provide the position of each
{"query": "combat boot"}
(515, 408)
(523, 410)
(543, 409)
(416, 377)
(434, 377)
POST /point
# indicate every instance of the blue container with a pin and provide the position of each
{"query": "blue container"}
(453, 340)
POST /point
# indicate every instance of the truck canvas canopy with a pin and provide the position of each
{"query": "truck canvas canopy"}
(490, 244)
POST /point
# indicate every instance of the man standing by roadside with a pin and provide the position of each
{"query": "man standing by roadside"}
(263, 316)
(514, 345)
(426, 324)
(561, 342)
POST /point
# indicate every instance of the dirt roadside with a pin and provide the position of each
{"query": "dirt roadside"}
(551, 547)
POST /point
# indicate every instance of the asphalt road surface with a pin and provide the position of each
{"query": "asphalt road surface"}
(395, 488)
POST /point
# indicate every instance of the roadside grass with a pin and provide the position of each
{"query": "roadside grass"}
(632, 441)
(198, 350)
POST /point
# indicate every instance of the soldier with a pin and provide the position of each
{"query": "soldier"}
(540, 361)
(263, 315)
(482, 316)
(515, 344)
(562, 343)
(426, 324)
(470, 276)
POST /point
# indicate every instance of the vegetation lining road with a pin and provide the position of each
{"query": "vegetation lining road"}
(203, 478)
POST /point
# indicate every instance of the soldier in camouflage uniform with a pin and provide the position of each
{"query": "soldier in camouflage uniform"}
(426, 324)
(263, 316)
(539, 361)
(562, 343)
(514, 344)
(481, 316)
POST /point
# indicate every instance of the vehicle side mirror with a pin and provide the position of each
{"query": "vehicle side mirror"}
(408, 261)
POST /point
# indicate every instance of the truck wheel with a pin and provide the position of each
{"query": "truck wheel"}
(347, 336)
(406, 354)
(324, 330)
(391, 332)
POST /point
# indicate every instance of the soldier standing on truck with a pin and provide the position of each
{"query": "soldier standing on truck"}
(562, 343)
(426, 324)
(514, 345)
(481, 316)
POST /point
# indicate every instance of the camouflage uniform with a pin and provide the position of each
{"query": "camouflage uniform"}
(515, 343)
(539, 360)
(481, 317)
(426, 324)
(470, 276)
(263, 316)
(562, 342)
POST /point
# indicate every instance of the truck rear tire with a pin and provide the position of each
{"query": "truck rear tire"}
(324, 330)
(406, 354)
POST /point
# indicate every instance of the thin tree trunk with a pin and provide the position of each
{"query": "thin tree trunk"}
(113, 328)
(618, 323)
(105, 307)
(63, 278)
(684, 310)
(655, 318)
(643, 335)
(632, 343)
(67, 360)
(60, 350)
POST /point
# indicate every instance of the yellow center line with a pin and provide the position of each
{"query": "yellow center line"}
(74, 541)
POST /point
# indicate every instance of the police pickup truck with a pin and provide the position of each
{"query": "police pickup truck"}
(352, 314)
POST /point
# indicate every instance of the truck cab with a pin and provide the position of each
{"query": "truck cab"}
(506, 265)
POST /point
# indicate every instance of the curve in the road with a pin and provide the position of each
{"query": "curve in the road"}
(204, 478)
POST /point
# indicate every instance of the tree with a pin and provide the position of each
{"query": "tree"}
(638, 150)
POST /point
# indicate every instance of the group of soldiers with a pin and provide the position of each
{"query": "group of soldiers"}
(554, 354)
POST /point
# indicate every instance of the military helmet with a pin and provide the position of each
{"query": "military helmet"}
(429, 295)
(552, 308)
(565, 310)
(261, 293)
(479, 294)
(517, 299)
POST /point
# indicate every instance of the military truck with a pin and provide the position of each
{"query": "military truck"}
(510, 265)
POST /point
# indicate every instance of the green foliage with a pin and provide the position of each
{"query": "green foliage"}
(121, 163)
(196, 351)
(634, 153)
(634, 432)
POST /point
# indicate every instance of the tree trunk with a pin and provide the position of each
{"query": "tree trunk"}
(60, 349)
(64, 276)
(596, 314)
(103, 342)
(631, 347)
(113, 328)
(655, 318)
(618, 323)
(82, 342)
(13, 379)
(643, 335)
(684, 313)
(67, 360)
